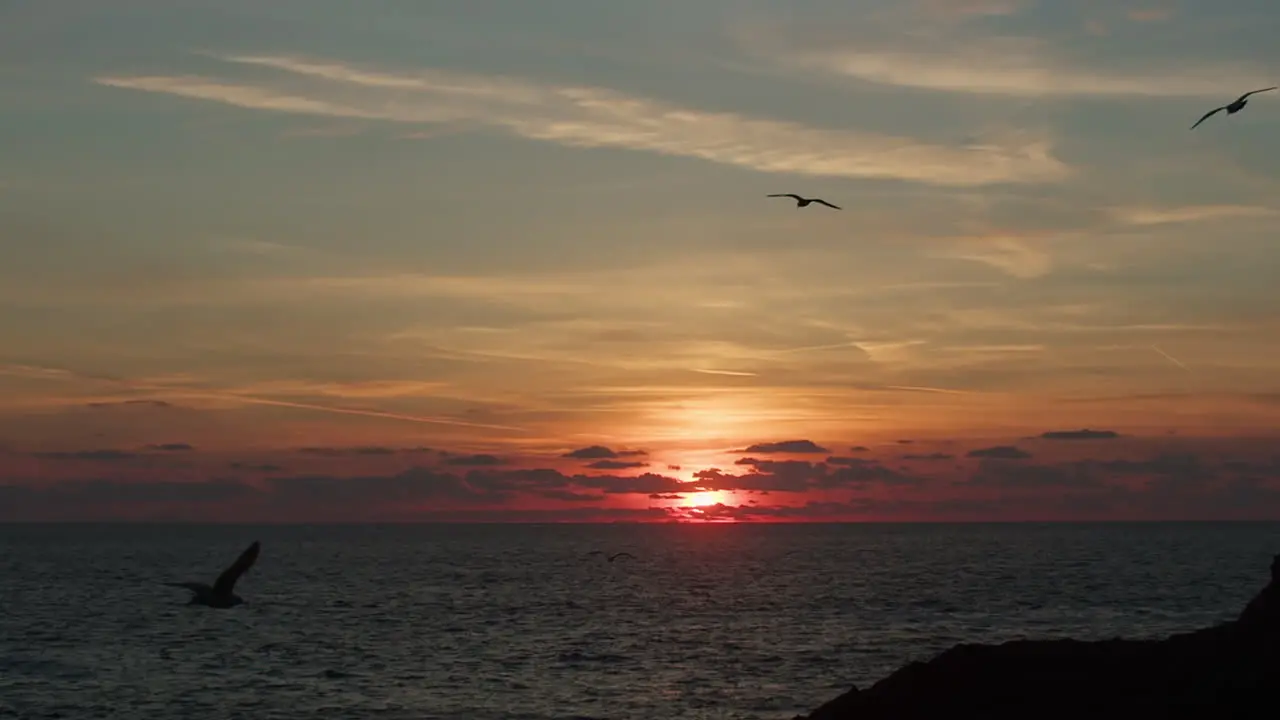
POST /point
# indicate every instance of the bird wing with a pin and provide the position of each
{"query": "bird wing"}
(1251, 92)
(194, 587)
(621, 554)
(227, 580)
(824, 202)
(1208, 115)
(790, 195)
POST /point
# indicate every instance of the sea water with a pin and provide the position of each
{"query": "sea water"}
(482, 622)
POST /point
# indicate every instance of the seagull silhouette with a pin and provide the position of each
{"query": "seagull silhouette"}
(804, 202)
(1231, 108)
(221, 595)
(615, 556)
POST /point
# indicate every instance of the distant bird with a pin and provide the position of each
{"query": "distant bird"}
(221, 595)
(804, 202)
(1233, 107)
(615, 556)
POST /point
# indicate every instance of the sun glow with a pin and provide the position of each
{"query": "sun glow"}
(703, 498)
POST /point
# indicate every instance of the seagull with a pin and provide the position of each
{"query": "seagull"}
(615, 556)
(804, 202)
(220, 595)
(1233, 108)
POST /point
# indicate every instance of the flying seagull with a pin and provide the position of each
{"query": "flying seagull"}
(1233, 108)
(221, 595)
(615, 556)
(804, 202)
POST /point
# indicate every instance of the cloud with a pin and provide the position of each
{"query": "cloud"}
(930, 457)
(1018, 476)
(970, 8)
(837, 460)
(1000, 452)
(615, 464)
(330, 131)
(1187, 213)
(1169, 464)
(1003, 65)
(570, 496)
(475, 460)
(178, 389)
(1014, 255)
(171, 447)
(256, 467)
(1150, 15)
(364, 451)
(357, 412)
(588, 117)
(108, 455)
(131, 403)
(1085, 434)
(591, 453)
(787, 446)
(798, 476)
(1170, 485)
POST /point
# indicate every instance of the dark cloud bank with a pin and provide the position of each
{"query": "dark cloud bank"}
(996, 483)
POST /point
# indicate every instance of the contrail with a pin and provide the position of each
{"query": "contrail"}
(1171, 358)
(734, 373)
(806, 348)
(250, 400)
(922, 389)
(56, 373)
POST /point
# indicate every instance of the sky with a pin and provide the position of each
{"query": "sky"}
(493, 260)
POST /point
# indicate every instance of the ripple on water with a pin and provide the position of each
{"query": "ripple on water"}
(518, 622)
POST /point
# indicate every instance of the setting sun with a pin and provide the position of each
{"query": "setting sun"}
(703, 498)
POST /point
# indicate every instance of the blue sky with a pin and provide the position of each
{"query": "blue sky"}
(551, 216)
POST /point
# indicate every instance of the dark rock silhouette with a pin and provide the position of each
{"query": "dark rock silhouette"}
(1231, 670)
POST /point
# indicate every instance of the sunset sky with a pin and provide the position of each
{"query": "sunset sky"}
(323, 260)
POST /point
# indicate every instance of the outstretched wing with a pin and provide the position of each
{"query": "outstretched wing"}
(824, 202)
(1251, 92)
(790, 195)
(1208, 115)
(195, 587)
(227, 580)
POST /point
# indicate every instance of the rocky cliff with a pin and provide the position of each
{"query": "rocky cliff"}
(1230, 670)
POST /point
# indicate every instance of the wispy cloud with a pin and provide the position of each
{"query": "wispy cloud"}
(259, 395)
(323, 131)
(732, 373)
(591, 117)
(1014, 255)
(1171, 358)
(1008, 65)
(970, 8)
(1150, 15)
(1187, 213)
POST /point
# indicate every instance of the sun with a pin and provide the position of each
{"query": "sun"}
(703, 498)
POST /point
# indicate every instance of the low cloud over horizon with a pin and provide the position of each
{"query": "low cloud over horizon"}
(1149, 478)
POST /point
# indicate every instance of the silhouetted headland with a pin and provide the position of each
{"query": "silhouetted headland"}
(1224, 671)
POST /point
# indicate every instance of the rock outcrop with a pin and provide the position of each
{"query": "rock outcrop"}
(1230, 670)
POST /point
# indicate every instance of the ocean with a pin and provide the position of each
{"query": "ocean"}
(480, 622)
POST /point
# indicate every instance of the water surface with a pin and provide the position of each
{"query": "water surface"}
(518, 621)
